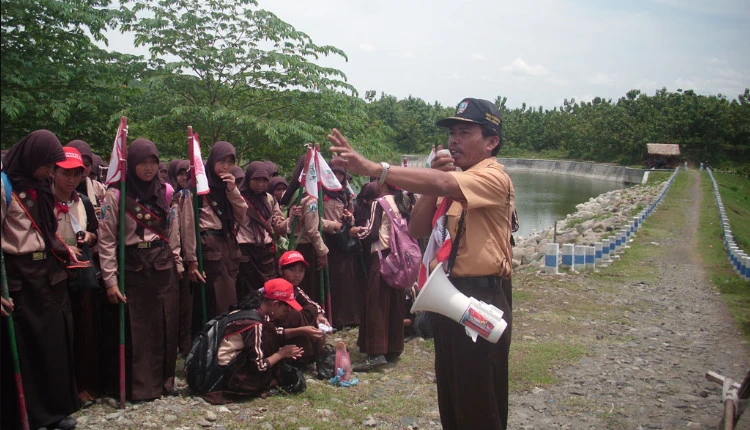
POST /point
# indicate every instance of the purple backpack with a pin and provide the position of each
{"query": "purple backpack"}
(400, 267)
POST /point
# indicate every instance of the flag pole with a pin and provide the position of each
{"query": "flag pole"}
(325, 287)
(197, 222)
(22, 412)
(121, 257)
(297, 201)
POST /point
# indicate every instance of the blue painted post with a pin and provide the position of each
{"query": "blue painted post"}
(590, 258)
(551, 253)
(612, 246)
(746, 265)
(567, 256)
(605, 251)
(597, 253)
(579, 262)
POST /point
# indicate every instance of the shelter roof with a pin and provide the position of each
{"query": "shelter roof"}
(663, 149)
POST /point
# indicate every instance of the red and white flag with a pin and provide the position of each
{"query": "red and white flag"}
(200, 180)
(317, 171)
(116, 170)
(439, 245)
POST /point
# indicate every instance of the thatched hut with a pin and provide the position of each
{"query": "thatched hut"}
(663, 155)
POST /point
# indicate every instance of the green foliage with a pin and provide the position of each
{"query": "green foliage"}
(735, 193)
(54, 77)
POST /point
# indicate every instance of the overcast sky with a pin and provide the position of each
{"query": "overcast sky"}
(534, 51)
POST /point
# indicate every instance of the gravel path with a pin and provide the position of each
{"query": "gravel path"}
(648, 371)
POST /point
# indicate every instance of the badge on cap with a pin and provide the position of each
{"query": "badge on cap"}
(462, 107)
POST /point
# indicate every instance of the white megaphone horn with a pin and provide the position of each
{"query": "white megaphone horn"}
(439, 295)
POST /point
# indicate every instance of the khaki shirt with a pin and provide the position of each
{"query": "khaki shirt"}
(307, 226)
(182, 201)
(109, 236)
(65, 222)
(211, 221)
(333, 210)
(19, 236)
(95, 191)
(484, 247)
(278, 223)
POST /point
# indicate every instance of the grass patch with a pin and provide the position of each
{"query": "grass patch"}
(532, 364)
(734, 290)
(655, 178)
(735, 193)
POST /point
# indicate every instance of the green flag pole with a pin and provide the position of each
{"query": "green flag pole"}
(24, 416)
(121, 257)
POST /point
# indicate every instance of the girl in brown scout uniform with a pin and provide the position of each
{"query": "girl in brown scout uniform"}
(263, 220)
(222, 209)
(35, 263)
(277, 186)
(381, 334)
(76, 215)
(260, 345)
(152, 258)
(346, 296)
(177, 177)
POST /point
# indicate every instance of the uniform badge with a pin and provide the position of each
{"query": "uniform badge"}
(462, 107)
(139, 216)
(148, 217)
(22, 194)
(313, 208)
(29, 203)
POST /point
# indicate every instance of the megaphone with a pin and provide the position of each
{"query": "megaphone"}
(440, 296)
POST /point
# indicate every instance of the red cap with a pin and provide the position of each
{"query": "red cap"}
(281, 289)
(73, 160)
(291, 257)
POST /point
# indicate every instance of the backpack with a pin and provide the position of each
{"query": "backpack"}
(202, 370)
(400, 267)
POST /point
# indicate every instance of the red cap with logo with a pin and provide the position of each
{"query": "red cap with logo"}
(73, 160)
(291, 257)
(281, 289)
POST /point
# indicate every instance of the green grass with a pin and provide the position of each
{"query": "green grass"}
(655, 177)
(532, 364)
(734, 290)
(735, 193)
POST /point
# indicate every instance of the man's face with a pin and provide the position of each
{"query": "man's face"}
(467, 145)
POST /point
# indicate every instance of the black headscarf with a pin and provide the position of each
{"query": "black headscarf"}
(175, 166)
(37, 149)
(256, 169)
(153, 192)
(218, 188)
(367, 194)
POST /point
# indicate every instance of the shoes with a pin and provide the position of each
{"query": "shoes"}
(66, 423)
(372, 363)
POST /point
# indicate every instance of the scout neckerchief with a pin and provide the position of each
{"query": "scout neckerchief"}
(146, 217)
(61, 251)
(255, 216)
(440, 245)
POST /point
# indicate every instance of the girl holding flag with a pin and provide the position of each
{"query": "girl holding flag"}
(221, 210)
(152, 259)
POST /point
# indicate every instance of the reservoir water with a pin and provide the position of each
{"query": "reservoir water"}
(543, 198)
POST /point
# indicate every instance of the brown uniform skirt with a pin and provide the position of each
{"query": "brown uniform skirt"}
(44, 335)
(152, 321)
(382, 328)
(346, 292)
(221, 263)
(257, 265)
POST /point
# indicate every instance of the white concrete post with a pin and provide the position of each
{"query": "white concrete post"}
(551, 253)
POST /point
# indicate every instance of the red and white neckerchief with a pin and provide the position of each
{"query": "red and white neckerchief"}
(439, 245)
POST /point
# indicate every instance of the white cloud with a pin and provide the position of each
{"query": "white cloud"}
(478, 56)
(521, 67)
(366, 47)
(407, 54)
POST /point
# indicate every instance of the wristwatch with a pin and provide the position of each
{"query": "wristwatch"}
(384, 172)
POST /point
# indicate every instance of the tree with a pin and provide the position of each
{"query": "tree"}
(232, 71)
(53, 76)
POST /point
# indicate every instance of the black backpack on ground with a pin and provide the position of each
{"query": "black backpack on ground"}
(202, 371)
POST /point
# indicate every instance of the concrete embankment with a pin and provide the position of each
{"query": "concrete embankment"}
(604, 172)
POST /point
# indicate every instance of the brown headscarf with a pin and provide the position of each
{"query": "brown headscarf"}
(96, 166)
(275, 182)
(239, 176)
(256, 169)
(153, 192)
(272, 169)
(338, 165)
(367, 194)
(37, 149)
(175, 166)
(218, 188)
(294, 184)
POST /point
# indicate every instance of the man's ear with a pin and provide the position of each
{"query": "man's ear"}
(492, 143)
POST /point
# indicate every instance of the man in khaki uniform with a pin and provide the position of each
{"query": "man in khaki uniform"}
(472, 377)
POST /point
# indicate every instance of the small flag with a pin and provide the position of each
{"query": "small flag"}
(327, 177)
(317, 171)
(430, 157)
(116, 171)
(200, 180)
